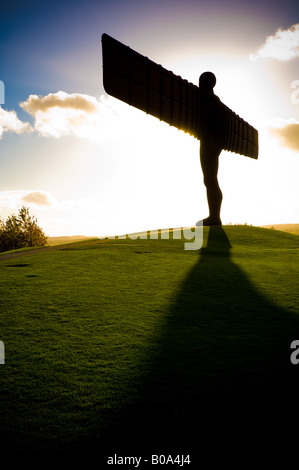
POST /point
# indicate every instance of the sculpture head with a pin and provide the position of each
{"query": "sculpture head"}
(207, 81)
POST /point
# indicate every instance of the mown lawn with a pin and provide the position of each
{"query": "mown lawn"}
(138, 342)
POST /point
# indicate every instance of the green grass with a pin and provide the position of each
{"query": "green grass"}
(106, 339)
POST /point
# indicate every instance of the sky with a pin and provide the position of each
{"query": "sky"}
(87, 164)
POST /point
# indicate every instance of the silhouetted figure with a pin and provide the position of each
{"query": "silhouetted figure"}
(210, 146)
(140, 82)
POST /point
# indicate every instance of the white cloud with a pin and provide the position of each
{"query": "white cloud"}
(60, 99)
(86, 117)
(9, 122)
(14, 199)
(61, 114)
(37, 197)
(287, 131)
(283, 45)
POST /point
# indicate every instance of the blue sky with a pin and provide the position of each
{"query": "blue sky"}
(87, 164)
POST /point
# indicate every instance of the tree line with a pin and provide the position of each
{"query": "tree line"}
(20, 231)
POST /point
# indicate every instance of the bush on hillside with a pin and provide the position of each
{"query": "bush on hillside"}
(19, 231)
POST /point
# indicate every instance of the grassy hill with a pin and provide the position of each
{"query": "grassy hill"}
(141, 346)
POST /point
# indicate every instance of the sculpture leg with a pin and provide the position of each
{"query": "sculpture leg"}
(209, 158)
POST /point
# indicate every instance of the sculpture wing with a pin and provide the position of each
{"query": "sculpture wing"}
(140, 82)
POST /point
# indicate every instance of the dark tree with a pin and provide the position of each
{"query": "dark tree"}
(21, 231)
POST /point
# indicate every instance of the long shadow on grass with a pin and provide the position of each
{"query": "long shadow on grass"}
(221, 377)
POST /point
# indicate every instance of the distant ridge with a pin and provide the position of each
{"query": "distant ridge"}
(291, 228)
(67, 239)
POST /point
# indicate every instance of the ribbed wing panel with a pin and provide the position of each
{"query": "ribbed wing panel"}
(140, 82)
